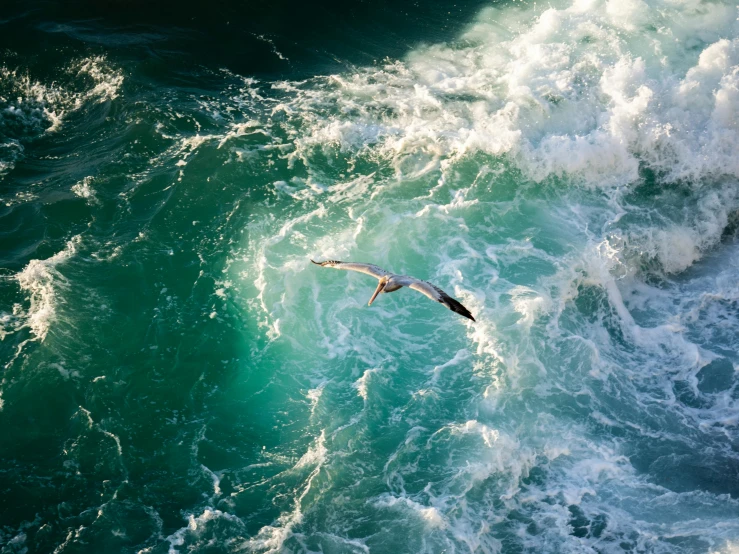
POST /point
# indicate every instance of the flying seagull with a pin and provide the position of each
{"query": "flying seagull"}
(390, 282)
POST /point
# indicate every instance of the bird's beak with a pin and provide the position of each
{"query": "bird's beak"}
(378, 290)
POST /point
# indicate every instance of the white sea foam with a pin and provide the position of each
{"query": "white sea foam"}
(33, 107)
(558, 106)
(84, 190)
(529, 304)
(430, 516)
(198, 526)
(30, 108)
(314, 396)
(363, 382)
(40, 280)
(107, 80)
(10, 152)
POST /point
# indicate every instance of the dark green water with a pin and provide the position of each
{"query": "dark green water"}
(177, 377)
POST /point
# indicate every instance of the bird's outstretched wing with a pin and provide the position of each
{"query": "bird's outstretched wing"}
(438, 295)
(369, 269)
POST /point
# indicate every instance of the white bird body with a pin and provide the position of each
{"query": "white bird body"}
(390, 282)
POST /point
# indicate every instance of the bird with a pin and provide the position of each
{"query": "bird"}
(390, 282)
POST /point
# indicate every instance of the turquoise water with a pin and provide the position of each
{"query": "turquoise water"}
(177, 376)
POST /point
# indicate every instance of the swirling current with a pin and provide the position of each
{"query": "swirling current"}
(177, 376)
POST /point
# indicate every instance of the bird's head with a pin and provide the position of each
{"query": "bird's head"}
(379, 289)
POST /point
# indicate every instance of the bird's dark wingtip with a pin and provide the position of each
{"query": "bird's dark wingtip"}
(466, 314)
(315, 262)
(456, 306)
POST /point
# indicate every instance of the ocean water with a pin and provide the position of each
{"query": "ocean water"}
(177, 376)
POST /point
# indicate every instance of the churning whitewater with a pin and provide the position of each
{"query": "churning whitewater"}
(178, 377)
